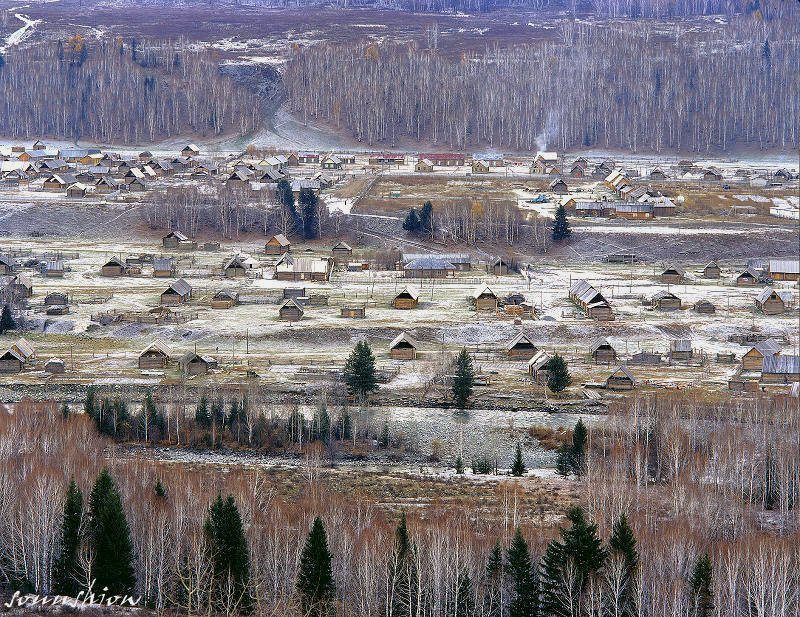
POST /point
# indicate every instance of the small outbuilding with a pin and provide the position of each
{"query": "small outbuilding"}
(406, 299)
(164, 267)
(235, 267)
(56, 298)
(55, 366)
(484, 299)
(602, 351)
(175, 240)
(341, 252)
(277, 245)
(770, 302)
(712, 270)
(753, 358)
(354, 312)
(539, 367)
(521, 348)
(177, 293)
(665, 301)
(705, 306)
(747, 278)
(113, 267)
(194, 364)
(154, 357)
(559, 187)
(224, 299)
(621, 379)
(499, 267)
(403, 347)
(781, 369)
(673, 275)
(681, 350)
(290, 310)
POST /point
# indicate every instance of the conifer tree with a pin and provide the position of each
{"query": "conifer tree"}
(345, 425)
(308, 207)
(404, 599)
(66, 568)
(564, 462)
(110, 537)
(201, 414)
(463, 602)
(90, 402)
(464, 379)
(561, 229)
(622, 546)
(315, 577)
(426, 219)
(159, 489)
(7, 320)
(523, 583)
(359, 370)
(558, 377)
(579, 445)
(700, 583)
(384, 439)
(285, 197)
(412, 224)
(518, 467)
(493, 600)
(64, 410)
(227, 548)
(459, 466)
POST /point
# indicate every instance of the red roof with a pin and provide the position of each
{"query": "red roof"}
(446, 156)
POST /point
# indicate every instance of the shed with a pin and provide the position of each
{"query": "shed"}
(11, 361)
(712, 270)
(673, 275)
(55, 366)
(163, 267)
(194, 364)
(559, 187)
(56, 298)
(747, 278)
(294, 293)
(646, 358)
(429, 267)
(539, 367)
(190, 150)
(355, 312)
(7, 264)
(277, 245)
(484, 299)
(499, 267)
(154, 357)
(753, 358)
(174, 240)
(480, 167)
(521, 348)
(424, 165)
(235, 266)
(53, 268)
(681, 349)
(591, 301)
(781, 369)
(770, 302)
(408, 298)
(341, 252)
(665, 301)
(290, 310)
(403, 347)
(602, 351)
(177, 293)
(113, 267)
(784, 269)
(621, 379)
(705, 306)
(224, 299)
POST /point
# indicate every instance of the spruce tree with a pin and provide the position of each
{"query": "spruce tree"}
(579, 445)
(7, 320)
(308, 207)
(564, 464)
(110, 538)
(159, 489)
(426, 219)
(359, 370)
(558, 377)
(700, 583)
(412, 224)
(285, 197)
(464, 379)
(227, 548)
(315, 577)
(523, 583)
(403, 574)
(459, 466)
(90, 402)
(493, 600)
(622, 546)
(66, 568)
(463, 602)
(201, 414)
(561, 229)
(518, 467)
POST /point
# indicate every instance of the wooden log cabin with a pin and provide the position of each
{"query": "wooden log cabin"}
(753, 358)
(681, 350)
(539, 367)
(277, 245)
(770, 302)
(403, 347)
(781, 369)
(224, 299)
(341, 252)
(747, 278)
(621, 379)
(673, 275)
(665, 301)
(784, 269)
(407, 299)
(290, 310)
(521, 347)
(712, 270)
(177, 293)
(602, 351)
(154, 357)
(591, 301)
(193, 364)
(113, 267)
(484, 299)
(354, 312)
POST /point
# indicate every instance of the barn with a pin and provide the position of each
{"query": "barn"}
(602, 351)
(277, 245)
(521, 348)
(429, 268)
(177, 293)
(705, 306)
(113, 267)
(673, 275)
(175, 240)
(190, 150)
(480, 167)
(770, 302)
(154, 357)
(784, 269)
(753, 358)
(194, 364)
(235, 267)
(7, 264)
(484, 299)
(747, 278)
(539, 367)
(665, 301)
(559, 187)
(621, 379)
(681, 350)
(290, 310)
(403, 347)
(341, 252)
(224, 299)
(781, 369)
(408, 298)
(291, 268)
(163, 267)
(499, 267)
(712, 270)
(11, 361)
(591, 301)
(647, 358)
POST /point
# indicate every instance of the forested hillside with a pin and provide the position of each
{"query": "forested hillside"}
(119, 92)
(681, 92)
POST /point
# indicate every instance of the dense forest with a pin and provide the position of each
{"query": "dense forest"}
(115, 92)
(682, 92)
(688, 508)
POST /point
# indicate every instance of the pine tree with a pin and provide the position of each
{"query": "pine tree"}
(622, 546)
(66, 568)
(308, 207)
(90, 402)
(564, 463)
(159, 489)
(315, 576)
(201, 414)
(558, 377)
(403, 574)
(110, 537)
(493, 600)
(384, 440)
(7, 320)
(464, 602)
(700, 583)
(412, 224)
(426, 219)
(346, 425)
(579, 444)
(464, 379)
(359, 370)
(766, 52)
(285, 197)
(523, 584)
(151, 415)
(561, 230)
(227, 547)
(518, 467)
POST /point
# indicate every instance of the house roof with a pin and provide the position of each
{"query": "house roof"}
(784, 266)
(521, 338)
(280, 239)
(162, 263)
(598, 343)
(682, 344)
(342, 245)
(289, 263)
(404, 337)
(748, 272)
(767, 347)
(765, 295)
(411, 291)
(453, 258)
(663, 294)
(429, 263)
(236, 261)
(114, 261)
(8, 261)
(586, 293)
(676, 269)
(290, 302)
(782, 365)
(159, 347)
(539, 360)
(483, 290)
(180, 287)
(623, 371)
(226, 294)
(23, 348)
(177, 235)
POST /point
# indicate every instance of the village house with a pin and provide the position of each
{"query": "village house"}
(428, 268)
(386, 158)
(290, 310)
(712, 175)
(484, 299)
(753, 359)
(480, 167)
(53, 268)
(657, 174)
(59, 182)
(594, 208)
(770, 302)
(662, 206)
(539, 367)
(784, 269)
(18, 356)
(354, 312)
(602, 351)
(55, 366)
(712, 270)
(177, 293)
(107, 184)
(239, 179)
(16, 287)
(633, 212)
(194, 364)
(621, 379)
(780, 369)
(308, 157)
(462, 262)
(403, 347)
(408, 298)
(80, 190)
(291, 268)
(277, 245)
(331, 162)
(705, 306)
(665, 301)
(747, 278)
(301, 184)
(164, 267)
(113, 267)
(544, 163)
(602, 170)
(175, 240)
(224, 299)
(498, 267)
(56, 298)
(681, 350)
(444, 159)
(154, 357)
(591, 301)
(645, 358)
(424, 165)
(190, 151)
(559, 187)
(673, 275)
(521, 347)
(579, 168)
(235, 266)
(7, 264)
(341, 252)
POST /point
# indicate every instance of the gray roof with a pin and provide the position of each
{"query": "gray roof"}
(520, 338)
(633, 207)
(661, 295)
(598, 343)
(8, 261)
(782, 365)
(453, 258)
(676, 269)
(765, 295)
(178, 235)
(586, 293)
(683, 344)
(784, 266)
(429, 263)
(162, 263)
(404, 337)
(539, 360)
(411, 291)
(748, 272)
(180, 287)
(624, 370)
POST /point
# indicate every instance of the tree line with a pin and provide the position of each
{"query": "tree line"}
(568, 93)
